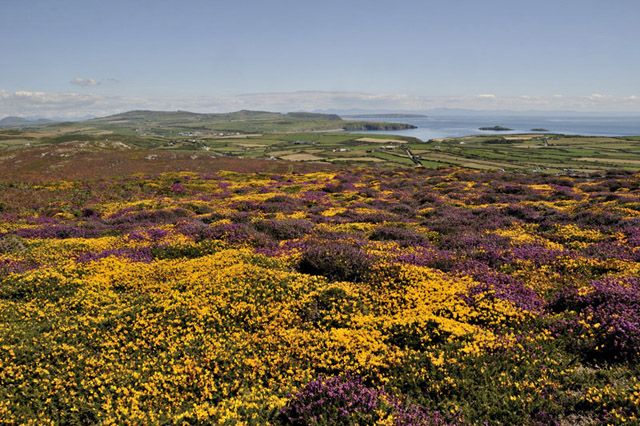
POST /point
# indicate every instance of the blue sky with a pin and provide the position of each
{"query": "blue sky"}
(107, 56)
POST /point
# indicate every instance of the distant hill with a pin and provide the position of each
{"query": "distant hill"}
(190, 117)
(171, 123)
(314, 116)
(22, 122)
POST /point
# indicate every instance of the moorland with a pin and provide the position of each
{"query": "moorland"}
(146, 280)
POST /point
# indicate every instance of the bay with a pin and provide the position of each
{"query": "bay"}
(446, 126)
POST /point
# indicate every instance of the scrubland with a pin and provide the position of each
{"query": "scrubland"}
(382, 297)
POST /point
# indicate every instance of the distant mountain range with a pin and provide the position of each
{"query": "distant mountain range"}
(23, 122)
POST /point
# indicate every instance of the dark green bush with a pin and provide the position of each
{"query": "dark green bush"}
(336, 260)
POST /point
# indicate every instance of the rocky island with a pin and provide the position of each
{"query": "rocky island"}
(496, 129)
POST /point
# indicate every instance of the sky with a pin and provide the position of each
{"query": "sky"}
(68, 58)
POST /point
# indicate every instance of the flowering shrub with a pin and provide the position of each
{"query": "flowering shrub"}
(603, 319)
(335, 260)
(333, 401)
(287, 229)
(235, 298)
(348, 401)
(404, 236)
(332, 307)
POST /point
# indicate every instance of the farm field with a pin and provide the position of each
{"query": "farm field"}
(260, 139)
(541, 153)
(321, 296)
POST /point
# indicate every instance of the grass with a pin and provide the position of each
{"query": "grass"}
(261, 135)
(553, 154)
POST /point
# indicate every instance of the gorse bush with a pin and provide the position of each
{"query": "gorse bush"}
(451, 296)
(332, 307)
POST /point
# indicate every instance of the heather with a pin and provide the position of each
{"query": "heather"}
(381, 297)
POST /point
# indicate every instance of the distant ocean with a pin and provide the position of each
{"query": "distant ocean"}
(442, 126)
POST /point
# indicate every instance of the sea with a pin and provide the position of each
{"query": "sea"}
(446, 126)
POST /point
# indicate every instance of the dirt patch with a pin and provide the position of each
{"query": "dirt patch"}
(376, 140)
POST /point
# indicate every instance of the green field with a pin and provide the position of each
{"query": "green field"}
(318, 138)
(539, 153)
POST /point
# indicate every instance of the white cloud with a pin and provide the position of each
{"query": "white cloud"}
(71, 105)
(85, 82)
(66, 105)
(25, 94)
(597, 96)
(486, 96)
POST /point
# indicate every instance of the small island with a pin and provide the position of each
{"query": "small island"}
(496, 129)
(539, 129)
